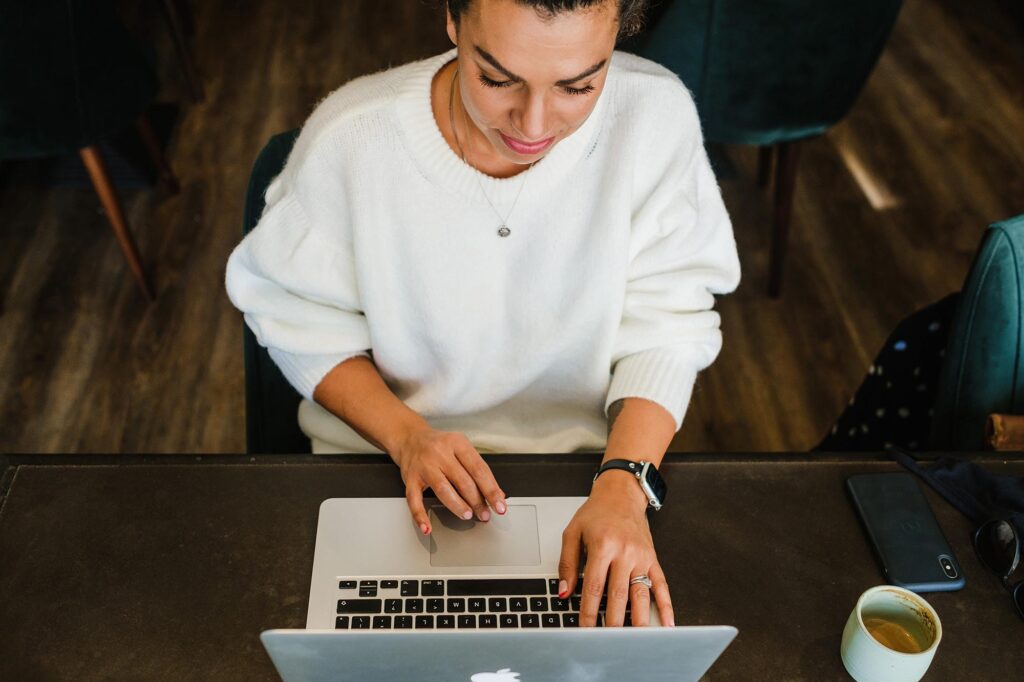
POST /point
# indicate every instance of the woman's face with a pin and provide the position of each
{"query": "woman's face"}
(527, 80)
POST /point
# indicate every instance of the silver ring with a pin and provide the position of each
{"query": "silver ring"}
(642, 580)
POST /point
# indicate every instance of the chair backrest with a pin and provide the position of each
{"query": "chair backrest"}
(271, 403)
(983, 369)
(70, 74)
(770, 71)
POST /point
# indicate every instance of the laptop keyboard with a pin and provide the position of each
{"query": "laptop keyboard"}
(454, 603)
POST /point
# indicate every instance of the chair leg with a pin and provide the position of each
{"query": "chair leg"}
(157, 156)
(765, 156)
(93, 161)
(173, 14)
(785, 181)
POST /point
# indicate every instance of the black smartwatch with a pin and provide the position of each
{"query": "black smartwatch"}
(646, 474)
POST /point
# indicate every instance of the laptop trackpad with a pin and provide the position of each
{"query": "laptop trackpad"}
(509, 539)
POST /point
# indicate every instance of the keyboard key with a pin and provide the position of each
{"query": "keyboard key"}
(477, 604)
(518, 604)
(559, 604)
(457, 605)
(388, 584)
(435, 606)
(360, 622)
(578, 589)
(497, 604)
(403, 622)
(410, 588)
(488, 620)
(600, 620)
(538, 603)
(549, 620)
(485, 587)
(424, 622)
(367, 591)
(446, 621)
(359, 605)
(346, 584)
(382, 622)
(341, 623)
(414, 606)
(467, 621)
(530, 620)
(576, 603)
(432, 588)
(368, 583)
(570, 620)
(392, 606)
(553, 586)
(509, 620)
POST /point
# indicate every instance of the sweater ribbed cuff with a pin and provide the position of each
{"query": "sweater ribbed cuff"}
(662, 376)
(305, 372)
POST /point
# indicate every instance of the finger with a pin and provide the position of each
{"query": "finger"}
(467, 488)
(448, 497)
(640, 602)
(593, 589)
(414, 498)
(618, 594)
(662, 597)
(481, 473)
(568, 561)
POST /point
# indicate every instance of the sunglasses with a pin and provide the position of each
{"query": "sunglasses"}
(998, 546)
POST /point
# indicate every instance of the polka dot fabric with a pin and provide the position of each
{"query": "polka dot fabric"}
(893, 406)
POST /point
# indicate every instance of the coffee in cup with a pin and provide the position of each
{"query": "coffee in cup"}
(891, 636)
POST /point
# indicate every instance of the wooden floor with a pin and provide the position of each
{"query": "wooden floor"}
(86, 365)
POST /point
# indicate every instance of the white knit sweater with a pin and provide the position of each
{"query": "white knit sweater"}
(376, 240)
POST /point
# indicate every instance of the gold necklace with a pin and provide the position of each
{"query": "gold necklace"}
(503, 229)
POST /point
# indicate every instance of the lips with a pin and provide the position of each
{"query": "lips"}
(525, 148)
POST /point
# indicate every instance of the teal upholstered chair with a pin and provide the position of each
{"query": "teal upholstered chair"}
(983, 368)
(71, 75)
(271, 404)
(770, 73)
(950, 365)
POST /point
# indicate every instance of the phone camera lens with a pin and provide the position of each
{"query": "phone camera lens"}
(947, 567)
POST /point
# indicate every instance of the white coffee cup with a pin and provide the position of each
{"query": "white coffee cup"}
(908, 626)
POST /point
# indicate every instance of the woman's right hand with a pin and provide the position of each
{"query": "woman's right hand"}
(447, 463)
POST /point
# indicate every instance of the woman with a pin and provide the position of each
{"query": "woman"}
(497, 249)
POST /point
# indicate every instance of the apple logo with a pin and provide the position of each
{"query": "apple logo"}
(503, 675)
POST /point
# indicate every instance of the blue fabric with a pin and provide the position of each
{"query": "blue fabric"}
(982, 372)
(769, 71)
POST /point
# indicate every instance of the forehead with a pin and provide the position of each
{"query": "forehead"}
(523, 38)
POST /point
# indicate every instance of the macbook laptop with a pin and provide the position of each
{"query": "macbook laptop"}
(472, 601)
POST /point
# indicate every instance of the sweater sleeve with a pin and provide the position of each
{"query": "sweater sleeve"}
(293, 276)
(682, 252)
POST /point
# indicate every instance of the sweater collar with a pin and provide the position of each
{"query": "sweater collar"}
(439, 163)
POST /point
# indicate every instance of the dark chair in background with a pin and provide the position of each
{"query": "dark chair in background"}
(770, 73)
(70, 75)
(947, 367)
(271, 403)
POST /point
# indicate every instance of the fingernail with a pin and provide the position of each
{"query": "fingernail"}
(563, 589)
(671, 623)
(468, 514)
(485, 515)
(500, 507)
(424, 528)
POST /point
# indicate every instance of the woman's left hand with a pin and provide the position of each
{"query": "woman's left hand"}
(612, 527)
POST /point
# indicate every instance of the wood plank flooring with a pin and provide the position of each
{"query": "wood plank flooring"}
(87, 366)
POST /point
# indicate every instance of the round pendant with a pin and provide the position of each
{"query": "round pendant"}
(504, 231)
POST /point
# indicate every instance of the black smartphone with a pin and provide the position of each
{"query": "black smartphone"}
(904, 533)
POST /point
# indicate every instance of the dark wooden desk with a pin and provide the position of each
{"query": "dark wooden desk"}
(168, 568)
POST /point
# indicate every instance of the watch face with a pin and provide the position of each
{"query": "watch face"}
(656, 484)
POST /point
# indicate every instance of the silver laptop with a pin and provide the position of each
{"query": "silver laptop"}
(473, 601)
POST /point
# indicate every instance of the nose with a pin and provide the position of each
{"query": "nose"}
(532, 123)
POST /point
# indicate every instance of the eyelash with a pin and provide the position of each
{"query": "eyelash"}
(565, 88)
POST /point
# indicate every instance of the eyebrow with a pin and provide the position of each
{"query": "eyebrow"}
(489, 58)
